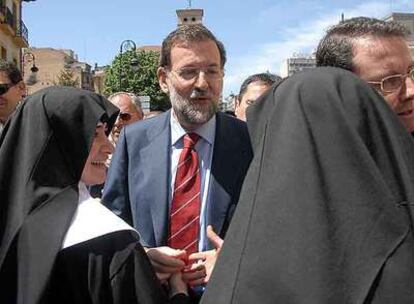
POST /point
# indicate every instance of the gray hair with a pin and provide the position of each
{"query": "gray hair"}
(134, 98)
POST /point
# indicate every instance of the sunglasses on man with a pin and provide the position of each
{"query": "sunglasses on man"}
(125, 116)
(4, 87)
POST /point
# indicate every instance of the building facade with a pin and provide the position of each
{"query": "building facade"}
(297, 63)
(14, 34)
(189, 16)
(55, 66)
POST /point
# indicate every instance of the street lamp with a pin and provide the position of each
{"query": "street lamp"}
(127, 45)
(29, 57)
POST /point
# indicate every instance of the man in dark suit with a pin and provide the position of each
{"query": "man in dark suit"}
(153, 160)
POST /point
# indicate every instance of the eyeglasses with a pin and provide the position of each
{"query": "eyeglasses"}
(4, 87)
(191, 74)
(125, 116)
(392, 83)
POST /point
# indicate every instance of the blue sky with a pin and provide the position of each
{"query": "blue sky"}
(258, 34)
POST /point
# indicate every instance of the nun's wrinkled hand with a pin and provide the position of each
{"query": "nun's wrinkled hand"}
(195, 274)
(177, 284)
(203, 262)
(166, 261)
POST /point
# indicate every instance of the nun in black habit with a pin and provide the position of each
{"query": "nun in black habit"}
(325, 214)
(57, 244)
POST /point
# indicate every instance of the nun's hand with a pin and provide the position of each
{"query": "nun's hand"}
(166, 261)
(203, 262)
(177, 285)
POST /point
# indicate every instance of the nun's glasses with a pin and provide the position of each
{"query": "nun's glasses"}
(392, 83)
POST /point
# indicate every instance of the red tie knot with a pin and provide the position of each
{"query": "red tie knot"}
(190, 140)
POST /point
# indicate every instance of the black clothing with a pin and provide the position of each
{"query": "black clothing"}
(325, 214)
(117, 256)
(43, 151)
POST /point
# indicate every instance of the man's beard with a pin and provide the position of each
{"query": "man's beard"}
(189, 112)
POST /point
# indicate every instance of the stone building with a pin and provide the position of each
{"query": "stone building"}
(190, 16)
(55, 63)
(98, 79)
(297, 63)
(14, 34)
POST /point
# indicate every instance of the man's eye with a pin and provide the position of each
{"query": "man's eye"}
(188, 73)
(213, 72)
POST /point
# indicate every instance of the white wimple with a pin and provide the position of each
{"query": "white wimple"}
(92, 220)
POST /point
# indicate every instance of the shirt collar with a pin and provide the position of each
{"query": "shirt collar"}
(206, 131)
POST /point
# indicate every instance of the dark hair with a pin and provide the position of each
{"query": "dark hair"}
(336, 48)
(264, 78)
(11, 70)
(185, 34)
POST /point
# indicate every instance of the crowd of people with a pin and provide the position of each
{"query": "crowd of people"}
(310, 201)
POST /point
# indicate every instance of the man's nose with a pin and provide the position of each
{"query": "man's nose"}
(201, 82)
(119, 122)
(409, 88)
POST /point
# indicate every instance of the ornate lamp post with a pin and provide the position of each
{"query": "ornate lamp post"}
(126, 45)
(30, 58)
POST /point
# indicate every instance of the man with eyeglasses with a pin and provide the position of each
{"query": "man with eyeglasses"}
(174, 175)
(130, 112)
(12, 90)
(376, 51)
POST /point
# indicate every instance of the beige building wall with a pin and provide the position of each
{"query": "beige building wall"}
(12, 51)
(98, 80)
(13, 32)
(51, 62)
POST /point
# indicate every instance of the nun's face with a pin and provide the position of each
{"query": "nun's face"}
(94, 172)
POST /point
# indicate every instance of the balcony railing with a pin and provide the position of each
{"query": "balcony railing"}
(16, 26)
(22, 31)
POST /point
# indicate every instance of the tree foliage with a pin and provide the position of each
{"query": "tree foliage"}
(66, 78)
(140, 80)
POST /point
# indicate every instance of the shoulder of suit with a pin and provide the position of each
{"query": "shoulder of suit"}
(158, 122)
(231, 121)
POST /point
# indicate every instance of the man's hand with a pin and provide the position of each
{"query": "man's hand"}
(166, 261)
(202, 263)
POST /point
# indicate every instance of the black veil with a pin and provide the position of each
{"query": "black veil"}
(325, 214)
(43, 150)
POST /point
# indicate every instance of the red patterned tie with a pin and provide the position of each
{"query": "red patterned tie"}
(185, 206)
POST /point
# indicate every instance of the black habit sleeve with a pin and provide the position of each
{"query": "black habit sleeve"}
(109, 269)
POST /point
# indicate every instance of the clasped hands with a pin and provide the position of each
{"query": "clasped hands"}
(174, 265)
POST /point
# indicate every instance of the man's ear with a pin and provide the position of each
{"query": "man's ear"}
(162, 79)
(237, 101)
